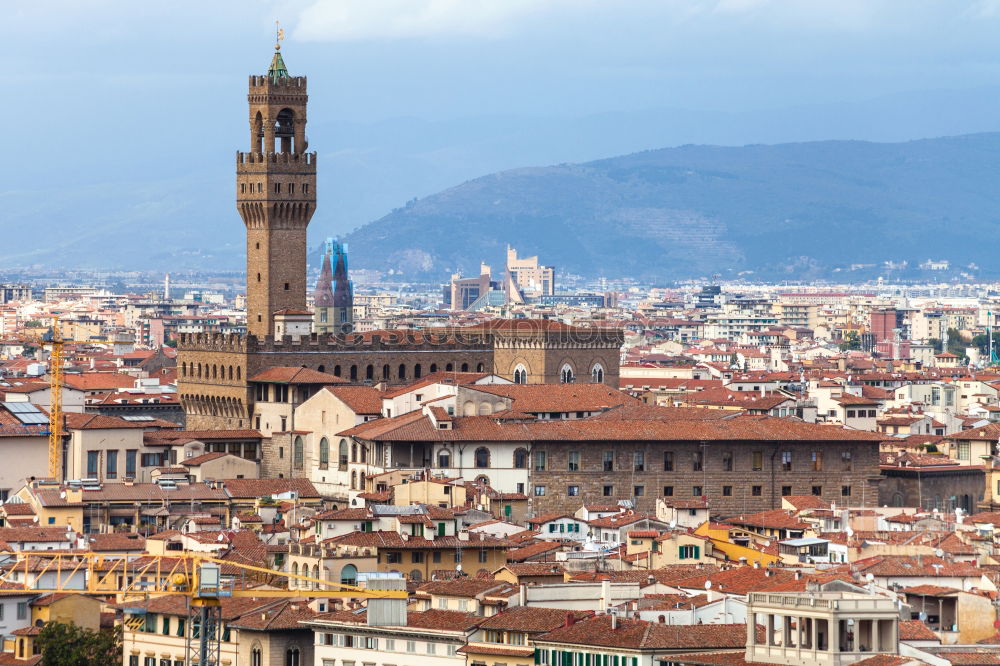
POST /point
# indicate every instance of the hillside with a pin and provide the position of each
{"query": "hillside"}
(794, 210)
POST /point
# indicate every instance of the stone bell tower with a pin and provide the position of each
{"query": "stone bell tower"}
(276, 196)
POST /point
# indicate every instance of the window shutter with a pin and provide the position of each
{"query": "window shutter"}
(538, 656)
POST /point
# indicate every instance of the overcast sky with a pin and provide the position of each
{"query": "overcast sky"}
(448, 58)
(101, 90)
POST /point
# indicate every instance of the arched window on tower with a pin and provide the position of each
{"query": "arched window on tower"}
(465, 367)
(284, 131)
(520, 375)
(370, 372)
(354, 373)
(434, 368)
(480, 367)
(402, 371)
(566, 374)
(385, 372)
(417, 371)
(597, 374)
(297, 452)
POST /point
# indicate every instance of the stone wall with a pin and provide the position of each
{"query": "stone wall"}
(713, 479)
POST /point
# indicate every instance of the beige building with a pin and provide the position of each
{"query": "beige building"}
(530, 279)
(254, 632)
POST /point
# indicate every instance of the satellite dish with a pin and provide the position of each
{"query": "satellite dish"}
(673, 524)
(850, 531)
(219, 538)
(35, 518)
(938, 552)
(458, 567)
(923, 616)
(708, 585)
(869, 577)
(62, 494)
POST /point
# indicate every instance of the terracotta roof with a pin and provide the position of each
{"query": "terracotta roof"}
(802, 502)
(416, 426)
(539, 398)
(116, 541)
(641, 635)
(197, 460)
(462, 587)
(89, 421)
(365, 400)
(533, 550)
(773, 518)
(257, 488)
(292, 375)
(915, 630)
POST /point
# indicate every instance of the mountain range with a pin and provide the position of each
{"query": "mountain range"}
(798, 210)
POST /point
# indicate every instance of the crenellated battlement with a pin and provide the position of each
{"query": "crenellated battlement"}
(262, 84)
(263, 162)
(382, 341)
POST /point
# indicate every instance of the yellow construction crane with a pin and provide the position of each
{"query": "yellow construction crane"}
(54, 339)
(199, 578)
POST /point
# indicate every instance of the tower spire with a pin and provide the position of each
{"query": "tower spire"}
(278, 69)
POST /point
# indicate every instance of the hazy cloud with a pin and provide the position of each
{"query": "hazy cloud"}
(352, 20)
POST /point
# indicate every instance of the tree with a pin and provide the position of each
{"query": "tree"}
(852, 343)
(955, 345)
(66, 644)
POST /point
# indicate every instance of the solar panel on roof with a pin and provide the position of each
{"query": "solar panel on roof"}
(138, 418)
(21, 408)
(32, 419)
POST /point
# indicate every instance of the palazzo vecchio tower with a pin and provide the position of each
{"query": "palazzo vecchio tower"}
(276, 198)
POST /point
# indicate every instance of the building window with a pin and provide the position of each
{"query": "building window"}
(696, 491)
(817, 461)
(727, 491)
(444, 459)
(668, 491)
(539, 461)
(638, 491)
(539, 491)
(964, 449)
(668, 461)
(609, 491)
(521, 459)
(566, 374)
(520, 375)
(697, 463)
(786, 491)
(845, 491)
(297, 452)
(845, 460)
(130, 459)
(573, 463)
(786, 461)
(609, 461)
(756, 491)
(93, 457)
(757, 463)
(640, 461)
(689, 552)
(112, 464)
(482, 457)
(727, 461)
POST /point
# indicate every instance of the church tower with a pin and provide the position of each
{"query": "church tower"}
(334, 296)
(276, 197)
